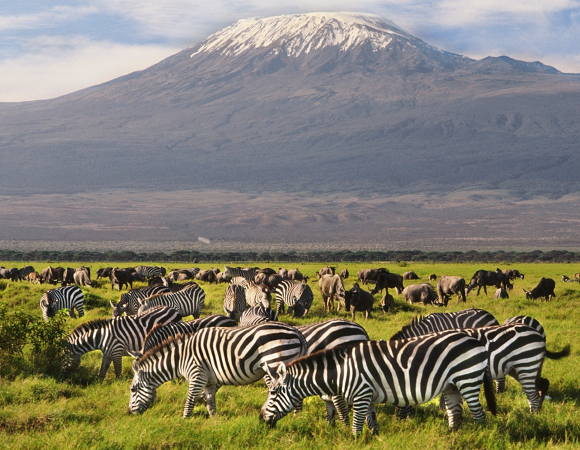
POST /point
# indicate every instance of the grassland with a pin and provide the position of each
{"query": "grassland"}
(84, 412)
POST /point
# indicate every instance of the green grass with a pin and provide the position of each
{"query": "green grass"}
(41, 412)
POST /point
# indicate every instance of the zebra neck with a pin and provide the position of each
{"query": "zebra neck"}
(165, 364)
(313, 380)
(95, 339)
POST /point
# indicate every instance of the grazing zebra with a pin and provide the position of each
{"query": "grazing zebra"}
(189, 301)
(330, 334)
(211, 358)
(404, 372)
(114, 337)
(515, 349)
(248, 273)
(256, 315)
(130, 302)
(296, 295)
(161, 332)
(150, 271)
(235, 301)
(66, 297)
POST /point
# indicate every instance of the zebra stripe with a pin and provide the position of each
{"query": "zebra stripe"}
(467, 318)
(211, 358)
(114, 337)
(130, 302)
(256, 315)
(235, 301)
(66, 297)
(161, 332)
(249, 273)
(296, 295)
(150, 271)
(527, 320)
(404, 372)
(189, 301)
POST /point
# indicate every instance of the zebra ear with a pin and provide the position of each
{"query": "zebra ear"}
(269, 371)
(281, 371)
(136, 366)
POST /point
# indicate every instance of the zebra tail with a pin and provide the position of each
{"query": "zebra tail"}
(489, 392)
(557, 355)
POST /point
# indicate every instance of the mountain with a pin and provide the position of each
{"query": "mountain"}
(290, 115)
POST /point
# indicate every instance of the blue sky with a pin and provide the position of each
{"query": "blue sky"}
(53, 47)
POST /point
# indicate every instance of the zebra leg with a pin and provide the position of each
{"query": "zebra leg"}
(500, 385)
(330, 412)
(372, 421)
(210, 392)
(360, 406)
(118, 365)
(404, 412)
(339, 404)
(197, 383)
(454, 406)
(105, 366)
(471, 396)
(529, 386)
(71, 313)
(298, 406)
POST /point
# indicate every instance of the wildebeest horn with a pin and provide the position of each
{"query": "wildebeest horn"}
(527, 292)
(111, 303)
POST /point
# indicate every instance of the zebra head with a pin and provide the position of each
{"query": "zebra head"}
(142, 393)
(70, 360)
(279, 403)
(47, 306)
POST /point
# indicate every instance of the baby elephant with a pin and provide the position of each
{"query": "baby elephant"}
(359, 300)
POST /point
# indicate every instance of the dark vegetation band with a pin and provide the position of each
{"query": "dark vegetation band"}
(560, 256)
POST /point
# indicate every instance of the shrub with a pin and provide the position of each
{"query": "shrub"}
(28, 344)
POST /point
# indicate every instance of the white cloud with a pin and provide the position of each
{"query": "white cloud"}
(65, 67)
(49, 18)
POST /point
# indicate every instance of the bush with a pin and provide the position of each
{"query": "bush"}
(28, 344)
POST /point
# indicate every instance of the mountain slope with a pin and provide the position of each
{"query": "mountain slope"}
(315, 105)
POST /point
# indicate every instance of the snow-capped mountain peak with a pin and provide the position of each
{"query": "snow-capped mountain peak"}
(302, 33)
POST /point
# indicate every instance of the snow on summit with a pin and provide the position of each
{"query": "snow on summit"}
(301, 33)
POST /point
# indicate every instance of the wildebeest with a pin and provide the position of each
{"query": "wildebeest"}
(332, 288)
(105, 272)
(388, 280)
(433, 277)
(410, 276)
(484, 278)
(370, 275)
(501, 293)
(68, 277)
(295, 275)
(47, 276)
(282, 272)
(545, 288)
(448, 285)
(34, 277)
(23, 273)
(120, 278)
(387, 302)
(344, 273)
(328, 270)
(82, 276)
(359, 300)
(416, 293)
(11, 274)
(182, 274)
(577, 276)
(512, 274)
(565, 279)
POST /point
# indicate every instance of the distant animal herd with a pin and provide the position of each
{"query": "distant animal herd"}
(447, 354)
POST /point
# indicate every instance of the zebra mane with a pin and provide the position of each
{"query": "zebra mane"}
(157, 295)
(151, 331)
(90, 326)
(324, 353)
(163, 346)
(401, 334)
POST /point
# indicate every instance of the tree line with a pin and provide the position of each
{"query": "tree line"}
(193, 256)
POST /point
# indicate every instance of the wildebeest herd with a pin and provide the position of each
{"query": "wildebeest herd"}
(447, 354)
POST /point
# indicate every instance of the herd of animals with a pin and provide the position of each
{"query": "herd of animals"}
(447, 354)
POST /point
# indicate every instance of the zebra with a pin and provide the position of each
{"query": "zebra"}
(256, 315)
(189, 301)
(115, 337)
(150, 271)
(515, 349)
(298, 296)
(235, 301)
(65, 297)
(405, 372)
(330, 334)
(130, 302)
(258, 294)
(161, 332)
(211, 358)
(248, 273)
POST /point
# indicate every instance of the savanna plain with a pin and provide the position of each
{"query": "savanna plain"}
(39, 411)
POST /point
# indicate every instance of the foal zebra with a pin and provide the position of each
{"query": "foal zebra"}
(114, 337)
(211, 358)
(189, 301)
(130, 302)
(66, 297)
(296, 295)
(405, 372)
(161, 332)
